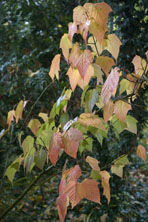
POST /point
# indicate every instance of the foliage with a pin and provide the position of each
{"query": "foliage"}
(107, 96)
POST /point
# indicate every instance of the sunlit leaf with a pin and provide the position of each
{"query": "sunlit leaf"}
(105, 184)
(108, 110)
(113, 45)
(71, 140)
(131, 124)
(89, 119)
(65, 45)
(54, 69)
(72, 29)
(93, 163)
(110, 85)
(105, 63)
(28, 144)
(121, 108)
(79, 15)
(10, 118)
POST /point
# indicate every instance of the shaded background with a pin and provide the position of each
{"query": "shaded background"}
(30, 32)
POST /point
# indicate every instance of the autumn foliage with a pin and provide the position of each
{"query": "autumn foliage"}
(95, 60)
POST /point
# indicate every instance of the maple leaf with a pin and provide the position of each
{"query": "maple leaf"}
(105, 63)
(89, 119)
(105, 183)
(54, 69)
(10, 118)
(72, 29)
(108, 110)
(54, 147)
(65, 45)
(141, 152)
(113, 45)
(93, 163)
(120, 109)
(110, 85)
(71, 140)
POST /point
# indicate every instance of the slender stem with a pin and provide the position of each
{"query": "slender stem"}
(96, 46)
(25, 192)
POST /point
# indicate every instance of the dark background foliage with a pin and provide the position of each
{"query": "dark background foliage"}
(29, 39)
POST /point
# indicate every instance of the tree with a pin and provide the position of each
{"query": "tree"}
(108, 94)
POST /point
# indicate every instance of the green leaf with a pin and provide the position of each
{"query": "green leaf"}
(12, 169)
(131, 124)
(83, 94)
(28, 144)
(118, 164)
(91, 99)
(86, 144)
(40, 158)
(95, 175)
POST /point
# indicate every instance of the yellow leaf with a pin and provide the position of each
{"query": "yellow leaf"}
(65, 45)
(89, 119)
(141, 152)
(113, 45)
(10, 118)
(34, 125)
(19, 110)
(93, 163)
(105, 63)
(105, 183)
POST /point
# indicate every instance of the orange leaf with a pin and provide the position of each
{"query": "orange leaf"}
(84, 61)
(99, 12)
(105, 63)
(105, 183)
(89, 119)
(54, 147)
(71, 191)
(90, 190)
(93, 163)
(71, 140)
(79, 15)
(84, 82)
(97, 31)
(108, 110)
(74, 55)
(72, 29)
(54, 69)
(141, 152)
(120, 109)
(10, 118)
(74, 77)
(72, 174)
(65, 45)
(110, 85)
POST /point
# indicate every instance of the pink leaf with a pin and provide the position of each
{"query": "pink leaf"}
(110, 85)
